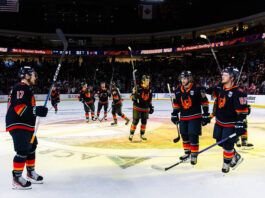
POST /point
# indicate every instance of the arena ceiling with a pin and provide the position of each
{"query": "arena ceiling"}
(123, 16)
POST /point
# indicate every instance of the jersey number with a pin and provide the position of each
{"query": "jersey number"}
(243, 100)
(20, 94)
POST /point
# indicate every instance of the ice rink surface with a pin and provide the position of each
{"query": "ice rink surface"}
(96, 160)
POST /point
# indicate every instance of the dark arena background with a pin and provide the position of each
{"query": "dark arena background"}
(112, 41)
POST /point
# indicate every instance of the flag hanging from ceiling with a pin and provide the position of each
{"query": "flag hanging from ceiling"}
(147, 11)
(9, 5)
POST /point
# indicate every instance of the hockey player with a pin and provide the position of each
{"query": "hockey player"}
(231, 111)
(117, 105)
(55, 98)
(20, 122)
(86, 96)
(103, 95)
(142, 107)
(189, 100)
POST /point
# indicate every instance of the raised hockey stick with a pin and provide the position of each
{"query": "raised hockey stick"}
(214, 55)
(170, 95)
(94, 79)
(241, 69)
(65, 45)
(181, 161)
(134, 71)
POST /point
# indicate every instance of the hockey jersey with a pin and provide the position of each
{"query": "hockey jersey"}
(55, 95)
(116, 95)
(103, 96)
(189, 102)
(87, 96)
(20, 108)
(231, 105)
(142, 99)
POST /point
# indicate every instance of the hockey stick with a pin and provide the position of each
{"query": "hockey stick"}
(94, 79)
(169, 91)
(241, 69)
(65, 45)
(214, 55)
(134, 79)
(134, 71)
(181, 161)
(100, 120)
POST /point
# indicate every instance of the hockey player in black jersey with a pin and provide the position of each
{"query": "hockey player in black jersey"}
(103, 95)
(117, 105)
(231, 112)
(55, 98)
(86, 96)
(20, 123)
(142, 107)
(189, 100)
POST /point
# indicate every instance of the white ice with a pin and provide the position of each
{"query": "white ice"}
(72, 171)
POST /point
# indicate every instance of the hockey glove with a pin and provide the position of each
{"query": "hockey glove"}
(174, 117)
(240, 128)
(151, 109)
(40, 111)
(206, 119)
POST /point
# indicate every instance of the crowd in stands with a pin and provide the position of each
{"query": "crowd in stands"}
(162, 71)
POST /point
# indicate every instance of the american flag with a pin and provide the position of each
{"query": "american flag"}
(9, 5)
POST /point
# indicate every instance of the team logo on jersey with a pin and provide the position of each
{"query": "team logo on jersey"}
(88, 95)
(145, 96)
(186, 104)
(192, 92)
(230, 94)
(221, 102)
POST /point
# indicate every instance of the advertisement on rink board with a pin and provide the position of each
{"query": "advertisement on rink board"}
(254, 100)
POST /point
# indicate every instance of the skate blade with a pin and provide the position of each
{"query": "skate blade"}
(239, 162)
(34, 181)
(16, 187)
(186, 160)
(247, 147)
(136, 141)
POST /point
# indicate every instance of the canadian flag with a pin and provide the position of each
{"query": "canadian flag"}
(147, 11)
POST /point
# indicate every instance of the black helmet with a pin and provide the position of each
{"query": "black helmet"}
(185, 74)
(25, 70)
(232, 71)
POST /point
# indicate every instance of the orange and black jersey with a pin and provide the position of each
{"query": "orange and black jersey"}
(142, 99)
(86, 95)
(231, 105)
(103, 95)
(55, 95)
(189, 102)
(116, 95)
(20, 108)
